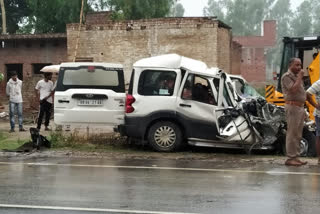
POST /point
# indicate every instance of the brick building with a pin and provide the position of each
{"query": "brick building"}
(27, 54)
(253, 65)
(202, 38)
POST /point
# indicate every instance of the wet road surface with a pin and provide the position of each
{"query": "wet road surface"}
(65, 185)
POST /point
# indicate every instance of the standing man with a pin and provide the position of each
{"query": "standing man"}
(315, 90)
(295, 97)
(1, 78)
(13, 91)
(44, 90)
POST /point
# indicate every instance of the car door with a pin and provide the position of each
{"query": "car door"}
(231, 122)
(195, 107)
(90, 94)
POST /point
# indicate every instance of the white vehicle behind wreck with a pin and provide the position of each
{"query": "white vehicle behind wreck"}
(208, 115)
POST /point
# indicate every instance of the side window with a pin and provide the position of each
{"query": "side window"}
(198, 88)
(157, 83)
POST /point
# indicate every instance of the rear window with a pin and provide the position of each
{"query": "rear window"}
(91, 77)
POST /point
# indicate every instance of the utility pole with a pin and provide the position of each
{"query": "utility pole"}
(4, 20)
(79, 30)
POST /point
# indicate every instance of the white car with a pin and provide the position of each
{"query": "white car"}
(173, 100)
(89, 94)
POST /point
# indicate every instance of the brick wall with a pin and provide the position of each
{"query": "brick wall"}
(253, 66)
(224, 49)
(253, 59)
(28, 51)
(236, 51)
(128, 41)
(98, 17)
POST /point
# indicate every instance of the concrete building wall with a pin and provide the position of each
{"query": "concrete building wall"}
(128, 41)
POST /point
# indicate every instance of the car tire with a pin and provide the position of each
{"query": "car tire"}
(305, 144)
(311, 138)
(165, 136)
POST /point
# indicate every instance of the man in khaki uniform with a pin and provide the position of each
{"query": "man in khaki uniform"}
(295, 97)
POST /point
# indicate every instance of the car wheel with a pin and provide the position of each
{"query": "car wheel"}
(165, 136)
(311, 138)
(304, 145)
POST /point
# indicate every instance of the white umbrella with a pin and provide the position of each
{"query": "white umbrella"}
(51, 69)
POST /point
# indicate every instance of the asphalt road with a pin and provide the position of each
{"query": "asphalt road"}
(64, 185)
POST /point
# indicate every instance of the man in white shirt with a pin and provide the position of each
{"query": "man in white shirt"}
(315, 90)
(13, 91)
(44, 90)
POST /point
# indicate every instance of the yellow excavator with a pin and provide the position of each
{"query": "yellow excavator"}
(305, 48)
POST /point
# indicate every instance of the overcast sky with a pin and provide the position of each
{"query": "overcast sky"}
(195, 7)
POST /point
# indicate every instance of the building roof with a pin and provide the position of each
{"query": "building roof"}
(175, 61)
(79, 64)
(48, 36)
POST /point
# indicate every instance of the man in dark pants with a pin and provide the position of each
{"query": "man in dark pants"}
(315, 90)
(295, 97)
(44, 90)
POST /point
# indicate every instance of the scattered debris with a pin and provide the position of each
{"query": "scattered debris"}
(3, 114)
(37, 143)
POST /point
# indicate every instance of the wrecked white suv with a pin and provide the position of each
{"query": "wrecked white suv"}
(174, 100)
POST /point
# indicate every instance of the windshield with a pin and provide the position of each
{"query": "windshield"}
(244, 89)
(249, 91)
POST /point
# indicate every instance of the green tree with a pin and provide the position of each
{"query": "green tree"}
(139, 9)
(15, 10)
(282, 13)
(177, 10)
(244, 16)
(316, 17)
(302, 20)
(51, 16)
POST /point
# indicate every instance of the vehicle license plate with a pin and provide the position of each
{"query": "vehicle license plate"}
(90, 102)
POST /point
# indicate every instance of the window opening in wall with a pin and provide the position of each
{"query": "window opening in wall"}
(36, 67)
(14, 67)
(42, 44)
(15, 44)
(56, 43)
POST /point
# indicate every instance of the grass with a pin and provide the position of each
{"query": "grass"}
(7, 143)
(76, 142)
(93, 143)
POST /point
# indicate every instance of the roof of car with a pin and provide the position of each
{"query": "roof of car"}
(78, 64)
(235, 76)
(175, 61)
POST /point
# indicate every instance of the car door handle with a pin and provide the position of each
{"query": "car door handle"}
(63, 101)
(185, 105)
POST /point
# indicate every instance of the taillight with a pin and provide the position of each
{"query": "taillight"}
(129, 100)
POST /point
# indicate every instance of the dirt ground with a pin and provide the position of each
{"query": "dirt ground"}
(30, 121)
(131, 151)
